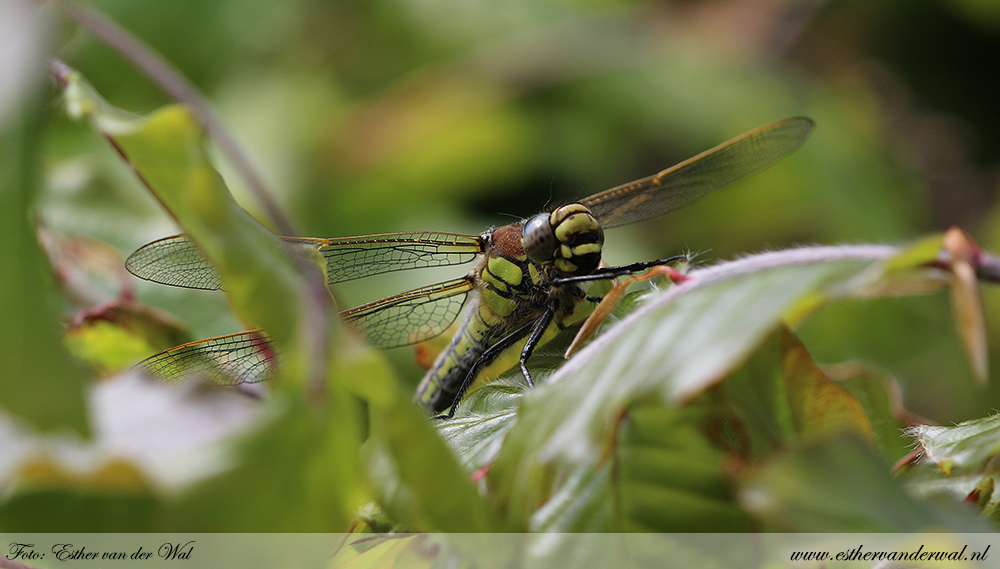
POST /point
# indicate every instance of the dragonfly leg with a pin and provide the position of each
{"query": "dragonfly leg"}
(536, 336)
(487, 356)
(609, 302)
(603, 273)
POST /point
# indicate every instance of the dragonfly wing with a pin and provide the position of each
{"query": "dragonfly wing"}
(410, 317)
(246, 357)
(349, 258)
(249, 357)
(176, 261)
(679, 185)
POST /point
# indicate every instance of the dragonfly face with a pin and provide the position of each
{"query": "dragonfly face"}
(570, 239)
(526, 285)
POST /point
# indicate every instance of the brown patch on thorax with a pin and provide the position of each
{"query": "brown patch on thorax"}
(507, 240)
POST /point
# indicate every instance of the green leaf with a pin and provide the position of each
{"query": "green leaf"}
(880, 395)
(293, 475)
(420, 482)
(781, 396)
(42, 385)
(672, 349)
(79, 511)
(318, 485)
(108, 346)
(956, 461)
(268, 289)
(840, 485)
(553, 470)
(271, 288)
(477, 432)
(672, 479)
(361, 551)
(960, 449)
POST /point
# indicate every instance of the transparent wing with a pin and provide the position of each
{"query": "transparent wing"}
(410, 317)
(678, 186)
(249, 357)
(349, 258)
(176, 261)
(245, 357)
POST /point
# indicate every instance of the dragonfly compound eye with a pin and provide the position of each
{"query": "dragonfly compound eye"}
(580, 239)
(538, 239)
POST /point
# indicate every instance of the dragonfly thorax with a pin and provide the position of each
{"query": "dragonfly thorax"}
(569, 239)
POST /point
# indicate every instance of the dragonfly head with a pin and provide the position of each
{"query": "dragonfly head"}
(569, 238)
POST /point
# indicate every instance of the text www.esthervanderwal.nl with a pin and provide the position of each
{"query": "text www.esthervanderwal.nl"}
(859, 554)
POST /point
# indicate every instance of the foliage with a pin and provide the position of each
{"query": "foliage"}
(700, 407)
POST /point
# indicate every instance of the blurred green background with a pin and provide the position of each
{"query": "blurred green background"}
(455, 115)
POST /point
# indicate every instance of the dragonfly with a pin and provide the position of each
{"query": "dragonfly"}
(527, 285)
